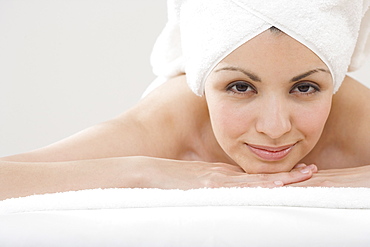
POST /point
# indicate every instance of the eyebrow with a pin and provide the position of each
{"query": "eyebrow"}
(308, 73)
(256, 78)
(249, 74)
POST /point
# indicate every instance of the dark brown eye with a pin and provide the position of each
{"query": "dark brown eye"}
(305, 88)
(240, 87)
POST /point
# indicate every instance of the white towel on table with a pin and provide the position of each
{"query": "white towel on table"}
(318, 197)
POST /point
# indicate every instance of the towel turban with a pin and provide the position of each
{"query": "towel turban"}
(200, 33)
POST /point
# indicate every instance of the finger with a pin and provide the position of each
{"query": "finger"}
(313, 168)
(294, 176)
(301, 165)
(261, 184)
(298, 175)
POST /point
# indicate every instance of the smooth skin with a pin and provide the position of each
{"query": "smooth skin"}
(256, 105)
(175, 139)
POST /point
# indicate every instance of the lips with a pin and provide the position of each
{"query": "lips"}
(271, 153)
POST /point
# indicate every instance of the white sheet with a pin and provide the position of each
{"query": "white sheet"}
(151, 217)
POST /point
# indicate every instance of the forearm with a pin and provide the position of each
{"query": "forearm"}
(25, 178)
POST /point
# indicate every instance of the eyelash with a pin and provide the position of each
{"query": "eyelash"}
(247, 86)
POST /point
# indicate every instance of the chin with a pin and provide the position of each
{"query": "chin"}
(260, 167)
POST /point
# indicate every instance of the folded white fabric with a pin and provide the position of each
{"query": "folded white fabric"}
(362, 49)
(345, 198)
(200, 33)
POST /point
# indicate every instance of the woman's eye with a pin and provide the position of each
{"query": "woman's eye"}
(240, 87)
(305, 88)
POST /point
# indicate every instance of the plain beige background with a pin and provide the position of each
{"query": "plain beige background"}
(69, 64)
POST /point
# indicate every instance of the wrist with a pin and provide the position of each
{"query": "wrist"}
(127, 172)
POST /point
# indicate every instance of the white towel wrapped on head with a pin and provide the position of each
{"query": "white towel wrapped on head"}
(200, 33)
(362, 49)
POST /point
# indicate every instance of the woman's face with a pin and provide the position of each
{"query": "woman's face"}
(268, 102)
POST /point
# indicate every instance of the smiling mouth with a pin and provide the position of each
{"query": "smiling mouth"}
(271, 153)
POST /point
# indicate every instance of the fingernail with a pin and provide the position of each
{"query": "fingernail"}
(300, 165)
(278, 183)
(306, 170)
(313, 168)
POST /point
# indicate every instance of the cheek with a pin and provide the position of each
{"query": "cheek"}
(229, 121)
(221, 120)
(312, 120)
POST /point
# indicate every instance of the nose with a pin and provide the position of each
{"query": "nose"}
(274, 118)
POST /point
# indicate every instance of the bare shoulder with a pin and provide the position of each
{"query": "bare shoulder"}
(345, 140)
(173, 116)
(148, 129)
(103, 140)
(351, 105)
(172, 95)
(352, 94)
(349, 122)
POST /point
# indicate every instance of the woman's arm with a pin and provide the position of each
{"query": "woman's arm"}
(25, 178)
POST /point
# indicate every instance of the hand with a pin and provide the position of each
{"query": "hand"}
(345, 177)
(174, 174)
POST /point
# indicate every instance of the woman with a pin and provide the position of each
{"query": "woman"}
(267, 116)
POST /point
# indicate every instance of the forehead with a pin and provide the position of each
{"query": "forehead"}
(273, 50)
